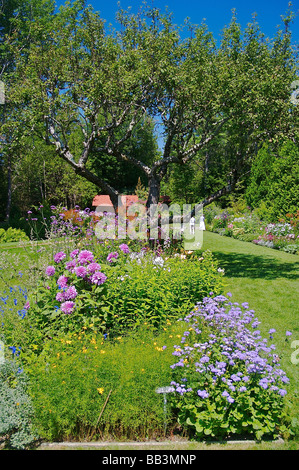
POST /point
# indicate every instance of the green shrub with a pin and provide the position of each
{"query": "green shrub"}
(12, 235)
(137, 287)
(16, 410)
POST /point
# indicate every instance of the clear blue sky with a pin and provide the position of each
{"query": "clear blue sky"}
(217, 13)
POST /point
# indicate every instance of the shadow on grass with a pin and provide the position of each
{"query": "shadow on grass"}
(256, 267)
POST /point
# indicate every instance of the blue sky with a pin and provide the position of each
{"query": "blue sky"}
(217, 13)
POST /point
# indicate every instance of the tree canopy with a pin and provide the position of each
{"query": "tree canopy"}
(215, 105)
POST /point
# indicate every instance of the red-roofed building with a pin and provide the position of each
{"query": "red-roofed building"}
(103, 202)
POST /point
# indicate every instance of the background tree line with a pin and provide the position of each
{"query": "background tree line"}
(85, 104)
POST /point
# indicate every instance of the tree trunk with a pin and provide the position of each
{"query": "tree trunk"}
(154, 191)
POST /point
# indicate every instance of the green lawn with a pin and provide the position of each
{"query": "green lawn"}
(269, 281)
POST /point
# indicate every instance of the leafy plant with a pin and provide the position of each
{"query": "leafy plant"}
(12, 235)
(227, 380)
(16, 411)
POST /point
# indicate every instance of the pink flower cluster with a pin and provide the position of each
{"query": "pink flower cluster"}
(84, 267)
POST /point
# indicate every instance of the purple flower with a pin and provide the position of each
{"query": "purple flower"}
(98, 278)
(242, 389)
(80, 271)
(227, 396)
(74, 253)
(111, 256)
(204, 359)
(67, 307)
(282, 392)
(59, 256)
(124, 248)
(263, 383)
(93, 267)
(62, 281)
(71, 293)
(85, 257)
(288, 333)
(50, 271)
(60, 297)
(202, 393)
(70, 265)
(27, 305)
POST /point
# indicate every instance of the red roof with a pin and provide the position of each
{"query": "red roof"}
(104, 200)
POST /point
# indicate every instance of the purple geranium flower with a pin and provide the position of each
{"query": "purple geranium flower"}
(70, 265)
(71, 293)
(74, 253)
(60, 297)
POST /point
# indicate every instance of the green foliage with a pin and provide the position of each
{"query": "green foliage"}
(274, 181)
(12, 235)
(16, 411)
(227, 381)
(140, 287)
(71, 380)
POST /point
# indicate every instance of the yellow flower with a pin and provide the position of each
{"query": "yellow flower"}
(102, 351)
(100, 390)
(84, 349)
(68, 342)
